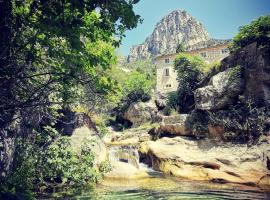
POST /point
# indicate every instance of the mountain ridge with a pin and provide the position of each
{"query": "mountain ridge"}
(178, 27)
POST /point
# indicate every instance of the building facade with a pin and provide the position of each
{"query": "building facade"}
(167, 76)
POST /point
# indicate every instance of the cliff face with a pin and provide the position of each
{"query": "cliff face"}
(175, 28)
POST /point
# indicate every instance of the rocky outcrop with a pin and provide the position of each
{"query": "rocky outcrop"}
(255, 60)
(222, 90)
(132, 136)
(186, 158)
(141, 112)
(218, 89)
(176, 28)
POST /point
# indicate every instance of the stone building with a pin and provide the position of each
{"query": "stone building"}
(167, 76)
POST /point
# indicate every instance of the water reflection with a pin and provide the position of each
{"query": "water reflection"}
(166, 188)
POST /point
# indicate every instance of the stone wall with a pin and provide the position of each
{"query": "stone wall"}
(167, 76)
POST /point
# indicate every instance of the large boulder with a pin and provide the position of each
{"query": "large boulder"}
(185, 158)
(141, 112)
(83, 134)
(222, 90)
(175, 125)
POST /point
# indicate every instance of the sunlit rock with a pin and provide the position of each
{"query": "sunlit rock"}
(220, 92)
(84, 134)
(185, 158)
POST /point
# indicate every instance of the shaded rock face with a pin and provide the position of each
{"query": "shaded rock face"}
(176, 28)
(184, 158)
(256, 63)
(221, 91)
(141, 112)
(71, 120)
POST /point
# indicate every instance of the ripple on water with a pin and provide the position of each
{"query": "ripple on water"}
(172, 189)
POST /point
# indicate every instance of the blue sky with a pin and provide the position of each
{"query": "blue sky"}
(220, 17)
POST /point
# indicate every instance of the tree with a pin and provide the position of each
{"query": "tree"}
(54, 53)
(258, 31)
(56, 45)
(189, 68)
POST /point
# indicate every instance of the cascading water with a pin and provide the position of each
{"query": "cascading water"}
(128, 154)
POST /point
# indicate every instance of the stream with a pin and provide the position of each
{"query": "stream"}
(159, 186)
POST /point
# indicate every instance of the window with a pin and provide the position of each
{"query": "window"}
(167, 60)
(167, 72)
(224, 51)
(203, 54)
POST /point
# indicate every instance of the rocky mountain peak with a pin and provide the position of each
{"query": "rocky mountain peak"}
(175, 28)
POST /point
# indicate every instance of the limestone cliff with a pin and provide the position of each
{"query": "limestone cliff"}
(175, 28)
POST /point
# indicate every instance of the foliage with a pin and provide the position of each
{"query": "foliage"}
(246, 120)
(211, 66)
(137, 81)
(54, 55)
(105, 167)
(172, 102)
(235, 73)
(62, 163)
(180, 48)
(56, 164)
(257, 31)
(198, 122)
(136, 85)
(189, 71)
(62, 50)
(129, 78)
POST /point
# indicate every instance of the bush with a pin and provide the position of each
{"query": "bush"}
(247, 121)
(258, 31)
(198, 122)
(52, 166)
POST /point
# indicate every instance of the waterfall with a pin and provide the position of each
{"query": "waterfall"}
(127, 154)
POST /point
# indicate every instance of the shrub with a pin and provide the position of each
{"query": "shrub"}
(258, 31)
(50, 166)
(247, 121)
(198, 122)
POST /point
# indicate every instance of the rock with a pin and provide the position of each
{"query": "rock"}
(264, 181)
(182, 157)
(83, 134)
(132, 136)
(222, 90)
(140, 113)
(122, 170)
(256, 63)
(175, 125)
(216, 132)
(160, 101)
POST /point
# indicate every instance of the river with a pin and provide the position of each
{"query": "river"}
(158, 186)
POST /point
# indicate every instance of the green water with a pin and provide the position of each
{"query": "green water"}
(164, 188)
